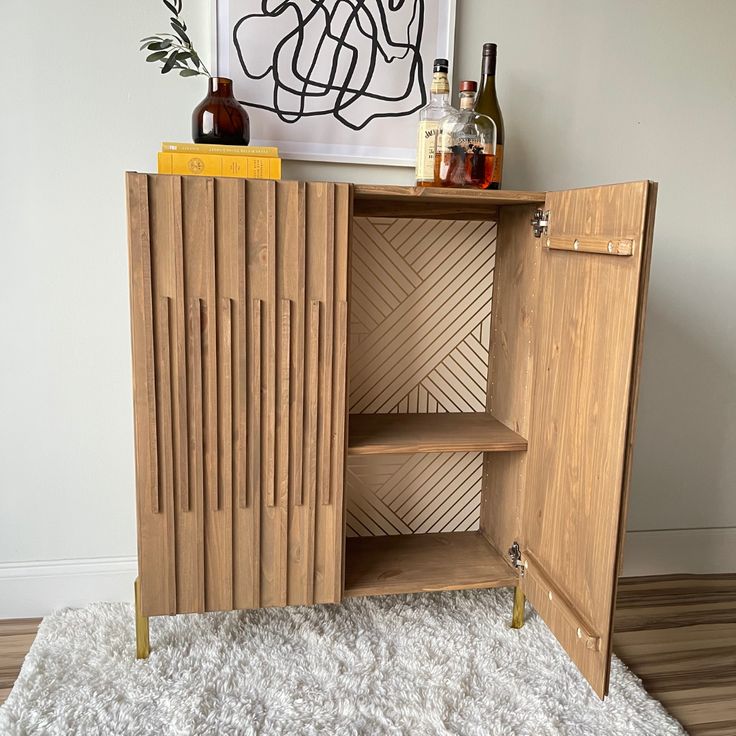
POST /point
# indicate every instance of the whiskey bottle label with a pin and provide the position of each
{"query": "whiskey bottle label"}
(426, 137)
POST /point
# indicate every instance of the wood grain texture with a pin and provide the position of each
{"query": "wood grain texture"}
(226, 276)
(419, 335)
(373, 200)
(372, 434)
(678, 634)
(510, 373)
(413, 563)
(606, 246)
(333, 226)
(16, 638)
(588, 309)
(155, 509)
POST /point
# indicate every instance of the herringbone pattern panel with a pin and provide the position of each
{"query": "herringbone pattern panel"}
(420, 330)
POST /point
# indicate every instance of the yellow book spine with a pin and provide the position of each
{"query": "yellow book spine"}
(207, 148)
(242, 167)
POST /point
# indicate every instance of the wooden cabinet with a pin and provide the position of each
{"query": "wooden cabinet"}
(254, 391)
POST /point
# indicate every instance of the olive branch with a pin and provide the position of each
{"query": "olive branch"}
(174, 50)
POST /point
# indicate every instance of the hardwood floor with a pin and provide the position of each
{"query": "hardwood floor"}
(677, 633)
(16, 637)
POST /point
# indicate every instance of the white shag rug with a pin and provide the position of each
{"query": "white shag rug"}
(443, 663)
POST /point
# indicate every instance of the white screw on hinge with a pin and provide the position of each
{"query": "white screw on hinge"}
(610, 247)
(576, 244)
(580, 633)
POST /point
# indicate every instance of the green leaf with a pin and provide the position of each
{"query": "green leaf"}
(195, 59)
(188, 73)
(169, 65)
(171, 7)
(159, 46)
(157, 56)
(179, 30)
(150, 38)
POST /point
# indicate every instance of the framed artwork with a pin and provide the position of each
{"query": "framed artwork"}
(333, 80)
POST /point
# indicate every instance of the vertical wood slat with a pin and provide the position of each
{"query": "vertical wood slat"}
(330, 220)
(226, 439)
(256, 426)
(312, 381)
(194, 401)
(299, 358)
(144, 368)
(283, 416)
(179, 353)
(163, 292)
(245, 508)
(156, 562)
(339, 399)
(327, 347)
(341, 268)
(222, 279)
(164, 403)
(269, 239)
(270, 364)
(293, 265)
(198, 296)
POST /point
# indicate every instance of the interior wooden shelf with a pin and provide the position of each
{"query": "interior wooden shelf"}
(436, 202)
(375, 434)
(415, 563)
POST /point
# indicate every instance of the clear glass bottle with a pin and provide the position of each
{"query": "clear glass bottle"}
(429, 120)
(466, 145)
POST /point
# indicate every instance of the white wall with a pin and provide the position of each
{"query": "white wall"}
(593, 92)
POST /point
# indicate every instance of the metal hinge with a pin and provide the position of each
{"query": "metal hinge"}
(540, 222)
(515, 555)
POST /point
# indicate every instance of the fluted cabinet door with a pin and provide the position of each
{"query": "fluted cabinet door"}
(239, 336)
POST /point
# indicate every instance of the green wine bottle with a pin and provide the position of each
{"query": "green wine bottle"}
(487, 104)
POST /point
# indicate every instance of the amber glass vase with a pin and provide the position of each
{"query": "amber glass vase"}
(220, 118)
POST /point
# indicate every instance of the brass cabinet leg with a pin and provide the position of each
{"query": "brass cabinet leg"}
(517, 619)
(142, 645)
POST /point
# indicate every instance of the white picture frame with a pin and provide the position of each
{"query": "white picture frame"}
(378, 127)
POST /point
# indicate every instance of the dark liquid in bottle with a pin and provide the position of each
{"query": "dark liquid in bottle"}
(461, 168)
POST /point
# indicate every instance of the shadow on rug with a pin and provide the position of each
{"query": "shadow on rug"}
(441, 663)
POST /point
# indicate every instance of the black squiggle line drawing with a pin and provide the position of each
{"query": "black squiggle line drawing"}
(337, 27)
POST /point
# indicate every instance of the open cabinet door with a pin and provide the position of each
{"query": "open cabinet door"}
(588, 329)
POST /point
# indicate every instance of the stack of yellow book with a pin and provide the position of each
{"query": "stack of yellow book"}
(199, 159)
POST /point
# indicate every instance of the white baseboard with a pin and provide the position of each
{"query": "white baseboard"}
(32, 589)
(680, 551)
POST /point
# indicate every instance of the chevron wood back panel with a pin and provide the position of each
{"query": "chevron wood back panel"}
(420, 328)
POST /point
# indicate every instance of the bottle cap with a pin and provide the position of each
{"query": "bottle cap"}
(440, 65)
(468, 85)
(489, 49)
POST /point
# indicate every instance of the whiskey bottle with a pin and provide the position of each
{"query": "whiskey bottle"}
(487, 104)
(466, 145)
(429, 118)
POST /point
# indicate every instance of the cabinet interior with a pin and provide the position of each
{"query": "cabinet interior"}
(432, 468)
